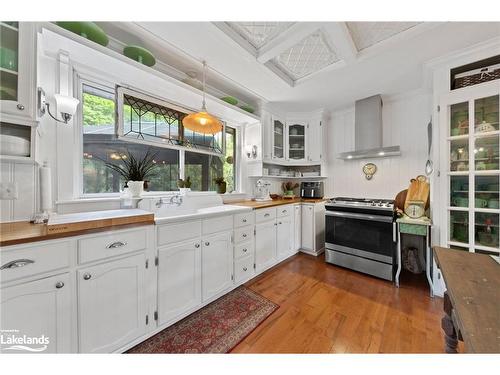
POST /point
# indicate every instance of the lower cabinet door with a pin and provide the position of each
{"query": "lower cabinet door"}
(217, 264)
(265, 245)
(111, 304)
(38, 309)
(179, 279)
(283, 235)
(308, 227)
(297, 232)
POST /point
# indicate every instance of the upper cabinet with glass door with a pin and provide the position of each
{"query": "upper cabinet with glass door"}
(278, 138)
(17, 70)
(296, 141)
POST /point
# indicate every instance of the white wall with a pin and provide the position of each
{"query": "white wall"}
(405, 120)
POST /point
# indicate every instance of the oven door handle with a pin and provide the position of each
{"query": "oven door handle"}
(351, 215)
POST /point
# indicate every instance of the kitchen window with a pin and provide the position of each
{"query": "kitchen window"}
(100, 145)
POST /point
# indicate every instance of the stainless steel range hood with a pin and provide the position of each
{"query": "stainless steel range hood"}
(368, 131)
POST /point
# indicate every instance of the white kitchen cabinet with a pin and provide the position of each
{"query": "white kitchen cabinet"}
(17, 72)
(313, 228)
(296, 146)
(217, 264)
(283, 236)
(278, 132)
(36, 308)
(111, 304)
(314, 141)
(179, 279)
(297, 227)
(265, 245)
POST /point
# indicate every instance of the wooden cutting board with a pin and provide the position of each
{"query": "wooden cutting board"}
(418, 191)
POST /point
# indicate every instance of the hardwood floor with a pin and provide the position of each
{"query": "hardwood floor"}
(329, 309)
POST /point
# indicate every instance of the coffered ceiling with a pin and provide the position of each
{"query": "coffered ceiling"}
(305, 65)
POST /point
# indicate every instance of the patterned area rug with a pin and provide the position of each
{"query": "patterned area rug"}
(216, 328)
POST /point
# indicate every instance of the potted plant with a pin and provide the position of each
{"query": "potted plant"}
(221, 185)
(184, 185)
(288, 188)
(135, 171)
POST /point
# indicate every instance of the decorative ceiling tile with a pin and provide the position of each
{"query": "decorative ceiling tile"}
(259, 33)
(367, 34)
(306, 57)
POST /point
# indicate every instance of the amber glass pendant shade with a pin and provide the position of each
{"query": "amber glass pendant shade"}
(202, 121)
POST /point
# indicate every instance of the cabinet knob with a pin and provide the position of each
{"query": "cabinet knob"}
(197, 245)
(244, 220)
(20, 107)
(245, 250)
(244, 269)
(207, 243)
(280, 223)
(87, 276)
(59, 285)
(244, 235)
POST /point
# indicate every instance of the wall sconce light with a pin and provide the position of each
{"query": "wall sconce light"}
(65, 104)
(252, 152)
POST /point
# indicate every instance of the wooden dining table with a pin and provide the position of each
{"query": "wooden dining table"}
(471, 301)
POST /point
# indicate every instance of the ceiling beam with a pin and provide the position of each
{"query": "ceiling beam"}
(285, 40)
(341, 38)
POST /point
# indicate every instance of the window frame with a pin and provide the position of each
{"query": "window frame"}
(80, 80)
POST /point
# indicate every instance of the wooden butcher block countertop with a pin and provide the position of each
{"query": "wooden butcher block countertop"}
(277, 202)
(59, 226)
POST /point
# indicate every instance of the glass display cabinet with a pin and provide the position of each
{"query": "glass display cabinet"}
(278, 138)
(472, 147)
(296, 140)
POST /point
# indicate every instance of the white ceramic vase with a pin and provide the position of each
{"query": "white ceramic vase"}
(136, 188)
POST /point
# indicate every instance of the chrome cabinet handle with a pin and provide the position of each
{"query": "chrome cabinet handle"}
(16, 264)
(116, 244)
(197, 245)
(244, 235)
(244, 269)
(280, 223)
(284, 211)
(87, 276)
(244, 220)
(245, 250)
(59, 284)
(266, 215)
(207, 243)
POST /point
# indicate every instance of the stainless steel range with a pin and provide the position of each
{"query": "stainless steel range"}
(360, 234)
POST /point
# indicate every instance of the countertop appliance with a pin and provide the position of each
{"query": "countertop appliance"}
(360, 234)
(261, 191)
(311, 189)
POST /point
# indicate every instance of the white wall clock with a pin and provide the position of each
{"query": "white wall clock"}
(369, 170)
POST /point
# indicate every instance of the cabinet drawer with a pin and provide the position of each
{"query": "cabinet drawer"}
(243, 234)
(111, 244)
(244, 249)
(217, 224)
(172, 233)
(285, 210)
(243, 269)
(246, 218)
(30, 260)
(265, 214)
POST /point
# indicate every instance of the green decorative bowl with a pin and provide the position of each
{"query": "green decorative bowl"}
(247, 108)
(139, 54)
(230, 100)
(88, 30)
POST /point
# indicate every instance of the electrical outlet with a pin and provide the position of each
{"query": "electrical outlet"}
(8, 190)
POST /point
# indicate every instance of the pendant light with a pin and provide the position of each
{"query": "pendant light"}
(202, 121)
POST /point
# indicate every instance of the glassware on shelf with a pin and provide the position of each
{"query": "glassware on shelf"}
(459, 155)
(486, 229)
(487, 192)
(459, 191)
(9, 54)
(459, 119)
(486, 153)
(486, 114)
(459, 226)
